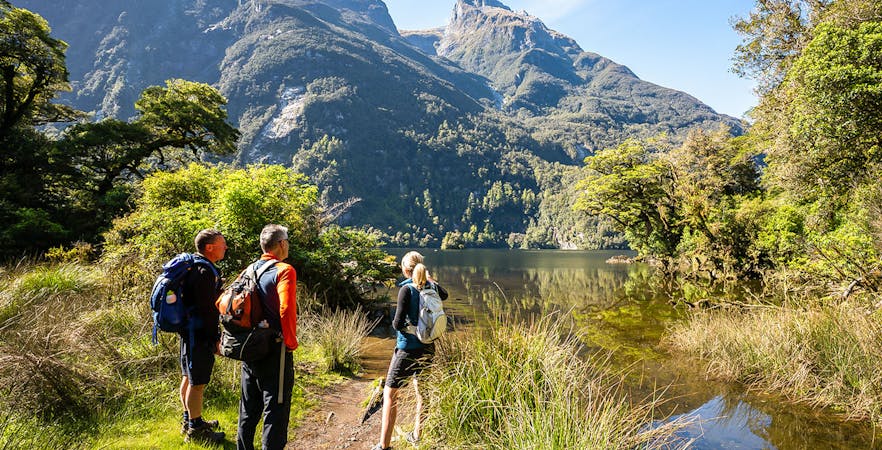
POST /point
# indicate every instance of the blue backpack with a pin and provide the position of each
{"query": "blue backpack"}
(169, 312)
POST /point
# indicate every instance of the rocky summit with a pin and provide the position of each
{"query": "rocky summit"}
(545, 72)
(466, 133)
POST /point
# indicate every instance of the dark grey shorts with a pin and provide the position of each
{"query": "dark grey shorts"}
(197, 362)
(407, 363)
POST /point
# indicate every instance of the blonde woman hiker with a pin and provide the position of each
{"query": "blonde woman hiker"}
(410, 356)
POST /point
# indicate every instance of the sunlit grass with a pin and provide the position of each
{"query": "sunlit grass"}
(826, 356)
(56, 279)
(77, 369)
(27, 284)
(151, 417)
(336, 337)
(26, 433)
(527, 386)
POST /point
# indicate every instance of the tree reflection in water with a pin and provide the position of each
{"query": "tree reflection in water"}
(624, 310)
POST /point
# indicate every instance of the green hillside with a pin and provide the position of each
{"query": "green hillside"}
(431, 146)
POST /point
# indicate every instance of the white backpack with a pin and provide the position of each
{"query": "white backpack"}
(432, 321)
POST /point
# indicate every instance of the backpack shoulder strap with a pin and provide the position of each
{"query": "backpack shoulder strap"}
(414, 301)
(266, 266)
(257, 303)
(200, 260)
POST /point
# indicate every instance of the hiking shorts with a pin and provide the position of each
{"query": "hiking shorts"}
(407, 363)
(197, 362)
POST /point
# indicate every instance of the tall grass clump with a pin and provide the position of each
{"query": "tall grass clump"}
(526, 386)
(336, 336)
(16, 433)
(828, 356)
(56, 279)
(28, 284)
(52, 379)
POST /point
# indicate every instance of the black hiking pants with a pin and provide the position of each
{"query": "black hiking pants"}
(260, 394)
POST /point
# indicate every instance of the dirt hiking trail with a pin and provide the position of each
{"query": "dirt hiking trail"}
(335, 423)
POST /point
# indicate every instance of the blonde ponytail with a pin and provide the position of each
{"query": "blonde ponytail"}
(420, 275)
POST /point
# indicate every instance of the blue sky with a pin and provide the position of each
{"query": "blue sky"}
(681, 44)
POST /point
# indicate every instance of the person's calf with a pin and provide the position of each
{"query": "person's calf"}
(194, 399)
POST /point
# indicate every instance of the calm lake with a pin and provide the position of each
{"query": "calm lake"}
(619, 310)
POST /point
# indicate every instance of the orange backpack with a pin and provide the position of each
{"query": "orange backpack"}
(239, 305)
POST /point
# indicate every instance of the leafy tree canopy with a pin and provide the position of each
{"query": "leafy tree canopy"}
(182, 115)
(835, 112)
(678, 203)
(94, 163)
(187, 114)
(32, 71)
(633, 186)
(774, 34)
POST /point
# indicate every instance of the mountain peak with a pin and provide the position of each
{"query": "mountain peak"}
(370, 11)
(546, 73)
(482, 3)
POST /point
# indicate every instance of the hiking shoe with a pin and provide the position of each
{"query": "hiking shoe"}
(185, 425)
(409, 437)
(205, 433)
(380, 447)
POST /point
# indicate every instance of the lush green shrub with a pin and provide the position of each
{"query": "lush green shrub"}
(80, 252)
(829, 244)
(173, 206)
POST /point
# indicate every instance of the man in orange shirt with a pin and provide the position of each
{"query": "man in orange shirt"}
(267, 383)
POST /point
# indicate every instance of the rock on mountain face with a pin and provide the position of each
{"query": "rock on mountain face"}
(119, 47)
(459, 145)
(546, 73)
(425, 40)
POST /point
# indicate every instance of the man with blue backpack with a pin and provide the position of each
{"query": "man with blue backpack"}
(199, 289)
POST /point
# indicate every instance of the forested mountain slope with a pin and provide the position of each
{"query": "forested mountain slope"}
(475, 143)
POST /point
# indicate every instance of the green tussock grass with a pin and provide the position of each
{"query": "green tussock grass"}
(828, 356)
(527, 386)
(56, 279)
(78, 370)
(29, 284)
(336, 337)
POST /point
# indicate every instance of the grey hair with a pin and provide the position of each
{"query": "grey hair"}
(271, 235)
